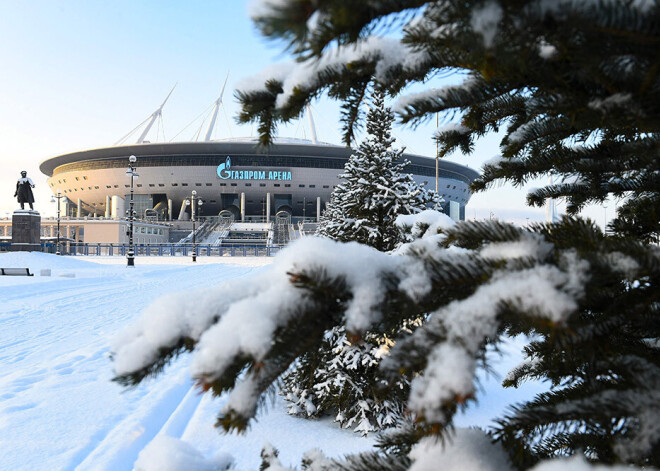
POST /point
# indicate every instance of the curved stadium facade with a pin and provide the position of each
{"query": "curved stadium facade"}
(231, 176)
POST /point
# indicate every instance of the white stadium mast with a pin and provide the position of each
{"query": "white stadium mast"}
(216, 108)
(551, 207)
(154, 116)
(312, 127)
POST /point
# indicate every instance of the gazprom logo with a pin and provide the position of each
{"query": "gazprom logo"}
(225, 172)
(223, 169)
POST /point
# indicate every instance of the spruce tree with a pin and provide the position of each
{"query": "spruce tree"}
(375, 190)
(342, 377)
(575, 88)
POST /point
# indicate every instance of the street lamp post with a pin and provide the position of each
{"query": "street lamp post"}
(194, 201)
(52, 200)
(130, 258)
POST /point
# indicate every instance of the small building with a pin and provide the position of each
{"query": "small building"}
(92, 230)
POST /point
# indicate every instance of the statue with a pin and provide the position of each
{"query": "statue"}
(23, 192)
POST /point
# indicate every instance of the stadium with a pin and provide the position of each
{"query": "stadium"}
(233, 177)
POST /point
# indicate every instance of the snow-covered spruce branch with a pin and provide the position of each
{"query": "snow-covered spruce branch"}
(316, 284)
(566, 283)
(466, 450)
(308, 26)
(382, 58)
(544, 83)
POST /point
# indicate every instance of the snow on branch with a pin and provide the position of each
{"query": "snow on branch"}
(259, 324)
(543, 290)
(386, 55)
(416, 106)
(466, 450)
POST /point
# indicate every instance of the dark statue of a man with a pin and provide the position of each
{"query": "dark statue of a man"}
(23, 192)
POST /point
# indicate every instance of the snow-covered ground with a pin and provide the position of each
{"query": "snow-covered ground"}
(59, 409)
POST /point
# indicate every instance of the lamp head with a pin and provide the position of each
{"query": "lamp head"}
(194, 192)
(132, 159)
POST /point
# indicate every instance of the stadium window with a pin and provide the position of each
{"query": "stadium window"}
(262, 184)
(453, 187)
(77, 179)
(248, 184)
(75, 189)
(287, 185)
(89, 187)
(233, 184)
(151, 184)
(326, 186)
(213, 201)
(301, 186)
(277, 185)
(161, 184)
(59, 181)
(312, 186)
(184, 184)
(175, 184)
(198, 184)
(223, 184)
(96, 187)
(84, 177)
(139, 185)
(448, 186)
(108, 186)
(125, 186)
(209, 184)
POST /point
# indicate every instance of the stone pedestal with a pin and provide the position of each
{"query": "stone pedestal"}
(25, 231)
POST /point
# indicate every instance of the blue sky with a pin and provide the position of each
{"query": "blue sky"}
(81, 74)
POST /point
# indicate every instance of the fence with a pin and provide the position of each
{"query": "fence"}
(161, 250)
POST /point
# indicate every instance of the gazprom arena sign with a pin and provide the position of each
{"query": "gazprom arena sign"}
(226, 173)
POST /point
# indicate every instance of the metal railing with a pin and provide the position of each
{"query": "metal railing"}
(173, 250)
(159, 250)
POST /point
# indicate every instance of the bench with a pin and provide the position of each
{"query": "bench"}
(16, 272)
